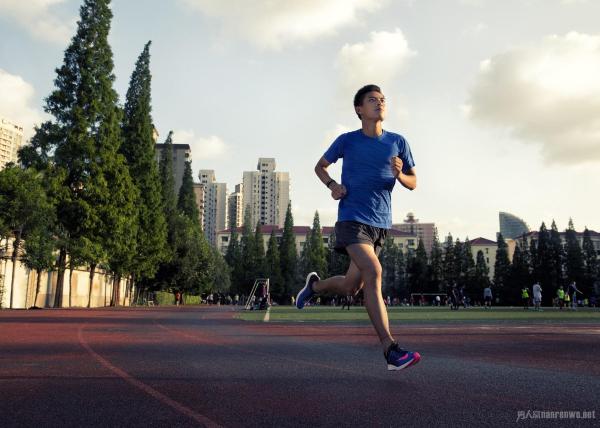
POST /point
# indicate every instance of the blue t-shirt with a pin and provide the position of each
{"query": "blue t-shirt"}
(367, 175)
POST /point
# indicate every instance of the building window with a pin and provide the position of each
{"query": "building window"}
(224, 238)
(411, 242)
(487, 250)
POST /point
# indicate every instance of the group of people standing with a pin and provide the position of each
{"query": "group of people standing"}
(563, 297)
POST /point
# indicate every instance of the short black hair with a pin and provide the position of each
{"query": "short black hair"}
(360, 95)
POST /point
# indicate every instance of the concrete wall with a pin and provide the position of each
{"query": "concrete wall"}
(25, 283)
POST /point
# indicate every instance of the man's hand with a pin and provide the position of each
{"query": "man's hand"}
(397, 165)
(338, 191)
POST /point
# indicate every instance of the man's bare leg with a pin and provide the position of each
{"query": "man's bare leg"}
(365, 269)
(343, 285)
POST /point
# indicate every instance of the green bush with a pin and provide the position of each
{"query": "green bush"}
(165, 298)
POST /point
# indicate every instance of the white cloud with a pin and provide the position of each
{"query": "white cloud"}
(547, 93)
(17, 95)
(37, 17)
(211, 147)
(272, 24)
(378, 60)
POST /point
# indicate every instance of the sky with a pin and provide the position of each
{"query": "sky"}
(499, 101)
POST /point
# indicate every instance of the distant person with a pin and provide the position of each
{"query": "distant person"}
(525, 297)
(373, 161)
(177, 298)
(560, 296)
(437, 300)
(573, 290)
(347, 302)
(537, 296)
(487, 297)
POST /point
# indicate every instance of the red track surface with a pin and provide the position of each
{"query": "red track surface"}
(201, 367)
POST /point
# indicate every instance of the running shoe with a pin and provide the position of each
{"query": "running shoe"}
(398, 359)
(307, 291)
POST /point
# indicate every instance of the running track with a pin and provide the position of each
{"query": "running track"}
(193, 366)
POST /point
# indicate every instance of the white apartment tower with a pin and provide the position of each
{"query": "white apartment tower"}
(266, 193)
(11, 139)
(214, 215)
(235, 207)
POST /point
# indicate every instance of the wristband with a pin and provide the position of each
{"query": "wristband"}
(329, 182)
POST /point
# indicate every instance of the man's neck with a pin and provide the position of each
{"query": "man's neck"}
(372, 128)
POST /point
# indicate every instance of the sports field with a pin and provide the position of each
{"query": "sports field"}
(212, 366)
(423, 314)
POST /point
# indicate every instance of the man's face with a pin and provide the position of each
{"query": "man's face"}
(373, 106)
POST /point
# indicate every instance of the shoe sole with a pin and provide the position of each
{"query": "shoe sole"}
(302, 289)
(414, 361)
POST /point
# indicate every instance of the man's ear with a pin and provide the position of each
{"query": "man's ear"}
(356, 109)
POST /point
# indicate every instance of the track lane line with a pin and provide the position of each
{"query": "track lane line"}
(201, 419)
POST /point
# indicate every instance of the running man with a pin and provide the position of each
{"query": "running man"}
(374, 159)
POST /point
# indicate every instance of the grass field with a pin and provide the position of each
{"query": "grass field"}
(420, 315)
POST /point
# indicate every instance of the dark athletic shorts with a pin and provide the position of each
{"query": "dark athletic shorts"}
(353, 232)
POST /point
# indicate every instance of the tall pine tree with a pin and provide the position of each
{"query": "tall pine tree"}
(138, 148)
(591, 263)
(574, 262)
(501, 268)
(288, 254)
(83, 138)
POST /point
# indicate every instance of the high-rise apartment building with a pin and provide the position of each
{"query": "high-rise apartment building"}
(182, 153)
(235, 207)
(11, 139)
(266, 193)
(424, 231)
(214, 214)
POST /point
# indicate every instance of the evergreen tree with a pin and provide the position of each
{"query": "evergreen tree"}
(288, 254)
(481, 278)
(389, 276)
(83, 139)
(448, 261)
(273, 269)
(167, 179)
(436, 267)
(233, 257)
(591, 264)
(186, 202)
(220, 273)
(418, 270)
(401, 281)
(248, 253)
(519, 275)
(458, 258)
(557, 259)
(304, 262)
(318, 253)
(259, 252)
(468, 267)
(574, 262)
(501, 268)
(138, 149)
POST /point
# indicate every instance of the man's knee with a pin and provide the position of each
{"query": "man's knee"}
(372, 274)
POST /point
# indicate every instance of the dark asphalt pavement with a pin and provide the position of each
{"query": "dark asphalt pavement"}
(200, 366)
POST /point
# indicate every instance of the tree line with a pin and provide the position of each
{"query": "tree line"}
(88, 191)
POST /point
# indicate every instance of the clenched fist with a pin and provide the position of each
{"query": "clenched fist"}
(338, 191)
(397, 165)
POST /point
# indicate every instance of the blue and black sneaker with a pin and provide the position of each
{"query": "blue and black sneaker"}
(398, 359)
(307, 291)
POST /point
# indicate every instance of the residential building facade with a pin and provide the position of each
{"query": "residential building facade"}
(266, 193)
(214, 213)
(424, 231)
(11, 139)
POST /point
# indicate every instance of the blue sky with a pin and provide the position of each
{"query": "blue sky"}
(499, 100)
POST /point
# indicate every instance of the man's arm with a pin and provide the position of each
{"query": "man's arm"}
(408, 179)
(338, 191)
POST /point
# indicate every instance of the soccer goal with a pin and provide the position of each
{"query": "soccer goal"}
(260, 292)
